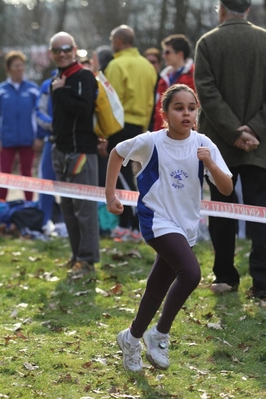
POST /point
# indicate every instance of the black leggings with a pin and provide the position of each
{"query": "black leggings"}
(175, 272)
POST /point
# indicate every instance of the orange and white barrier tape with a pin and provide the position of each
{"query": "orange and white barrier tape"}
(94, 193)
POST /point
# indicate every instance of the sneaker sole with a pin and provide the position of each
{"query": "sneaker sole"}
(150, 359)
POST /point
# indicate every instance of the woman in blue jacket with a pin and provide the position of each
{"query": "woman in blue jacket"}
(18, 127)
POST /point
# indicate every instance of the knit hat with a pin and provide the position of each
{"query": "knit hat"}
(237, 5)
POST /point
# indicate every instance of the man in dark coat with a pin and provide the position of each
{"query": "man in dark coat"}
(230, 78)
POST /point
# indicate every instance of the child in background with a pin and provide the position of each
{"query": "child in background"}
(169, 184)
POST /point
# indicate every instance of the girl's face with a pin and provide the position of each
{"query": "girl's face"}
(181, 115)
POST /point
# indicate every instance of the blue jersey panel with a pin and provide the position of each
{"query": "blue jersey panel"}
(145, 181)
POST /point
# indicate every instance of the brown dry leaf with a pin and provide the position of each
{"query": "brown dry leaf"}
(107, 315)
(8, 338)
(208, 315)
(20, 335)
(64, 378)
(109, 266)
(117, 289)
(194, 319)
(87, 389)
(87, 365)
(118, 256)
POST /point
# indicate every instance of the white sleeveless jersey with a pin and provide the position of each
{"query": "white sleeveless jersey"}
(169, 181)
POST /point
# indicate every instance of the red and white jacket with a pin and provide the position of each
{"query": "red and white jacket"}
(186, 77)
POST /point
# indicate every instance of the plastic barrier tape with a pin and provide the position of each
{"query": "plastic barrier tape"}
(94, 193)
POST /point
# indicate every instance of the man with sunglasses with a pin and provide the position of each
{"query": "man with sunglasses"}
(74, 151)
(180, 69)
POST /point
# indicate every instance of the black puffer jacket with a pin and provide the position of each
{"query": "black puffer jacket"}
(73, 107)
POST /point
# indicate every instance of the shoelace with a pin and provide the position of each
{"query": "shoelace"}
(134, 352)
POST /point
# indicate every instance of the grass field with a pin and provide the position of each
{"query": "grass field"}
(58, 337)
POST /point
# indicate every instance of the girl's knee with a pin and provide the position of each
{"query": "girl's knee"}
(197, 277)
(194, 277)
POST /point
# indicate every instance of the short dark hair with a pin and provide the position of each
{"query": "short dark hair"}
(178, 42)
(12, 56)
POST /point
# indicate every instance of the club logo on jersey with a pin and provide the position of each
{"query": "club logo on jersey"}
(179, 177)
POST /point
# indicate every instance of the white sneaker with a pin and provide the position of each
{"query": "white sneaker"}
(131, 354)
(157, 348)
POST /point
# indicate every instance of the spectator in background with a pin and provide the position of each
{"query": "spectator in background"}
(74, 152)
(87, 63)
(101, 58)
(44, 113)
(102, 55)
(154, 56)
(18, 131)
(134, 79)
(231, 85)
(180, 69)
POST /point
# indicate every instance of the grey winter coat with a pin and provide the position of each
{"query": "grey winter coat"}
(230, 78)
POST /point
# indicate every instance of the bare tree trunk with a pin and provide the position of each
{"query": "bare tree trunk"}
(180, 20)
(163, 17)
(61, 16)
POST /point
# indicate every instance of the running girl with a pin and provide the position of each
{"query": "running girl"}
(169, 182)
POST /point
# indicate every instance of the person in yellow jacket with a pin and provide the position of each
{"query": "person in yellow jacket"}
(134, 79)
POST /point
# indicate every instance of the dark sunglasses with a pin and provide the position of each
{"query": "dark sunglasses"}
(153, 62)
(66, 48)
(167, 52)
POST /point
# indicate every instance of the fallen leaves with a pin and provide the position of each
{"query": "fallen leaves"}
(215, 326)
(30, 366)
